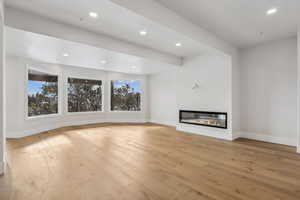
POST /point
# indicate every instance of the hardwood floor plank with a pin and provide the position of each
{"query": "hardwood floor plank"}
(146, 161)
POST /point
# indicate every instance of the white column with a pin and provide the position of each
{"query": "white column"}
(298, 78)
(2, 92)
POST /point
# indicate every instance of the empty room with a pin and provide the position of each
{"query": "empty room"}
(149, 99)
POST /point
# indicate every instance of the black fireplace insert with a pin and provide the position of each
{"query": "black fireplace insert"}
(203, 118)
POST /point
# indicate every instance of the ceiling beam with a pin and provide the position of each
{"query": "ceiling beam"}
(158, 13)
(26, 21)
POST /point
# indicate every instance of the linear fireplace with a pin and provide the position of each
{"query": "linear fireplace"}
(202, 118)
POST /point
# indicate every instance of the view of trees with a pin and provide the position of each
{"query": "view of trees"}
(84, 95)
(125, 96)
(42, 95)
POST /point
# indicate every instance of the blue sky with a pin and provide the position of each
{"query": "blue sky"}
(34, 86)
(136, 85)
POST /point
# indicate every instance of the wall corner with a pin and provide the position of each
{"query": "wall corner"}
(2, 167)
(2, 89)
(298, 90)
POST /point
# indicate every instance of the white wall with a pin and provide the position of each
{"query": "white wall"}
(212, 73)
(162, 96)
(2, 90)
(19, 126)
(171, 91)
(269, 92)
(298, 76)
(236, 95)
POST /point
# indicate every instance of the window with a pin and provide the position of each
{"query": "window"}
(126, 95)
(42, 93)
(84, 95)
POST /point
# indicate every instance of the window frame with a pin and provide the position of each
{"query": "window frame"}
(67, 96)
(59, 93)
(126, 111)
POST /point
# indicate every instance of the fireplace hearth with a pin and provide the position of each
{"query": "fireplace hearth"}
(204, 118)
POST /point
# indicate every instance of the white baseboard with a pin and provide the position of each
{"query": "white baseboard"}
(2, 167)
(29, 132)
(236, 135)
(269, 138)
(127, 121)
(211, 132)
(167, 123)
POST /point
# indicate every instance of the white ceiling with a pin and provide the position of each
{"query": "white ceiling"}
(241, 22)
(113, 20)
(50, 50)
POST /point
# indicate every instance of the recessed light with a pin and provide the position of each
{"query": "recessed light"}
(178, 44)
(93, 14)
(103, 61)
(272, 11)
(65, 54)
(143, 32)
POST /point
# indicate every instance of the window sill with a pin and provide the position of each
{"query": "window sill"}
(125, 111)
(84, 113)
(43, 117)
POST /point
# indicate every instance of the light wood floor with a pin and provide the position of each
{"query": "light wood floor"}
(137, 162)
